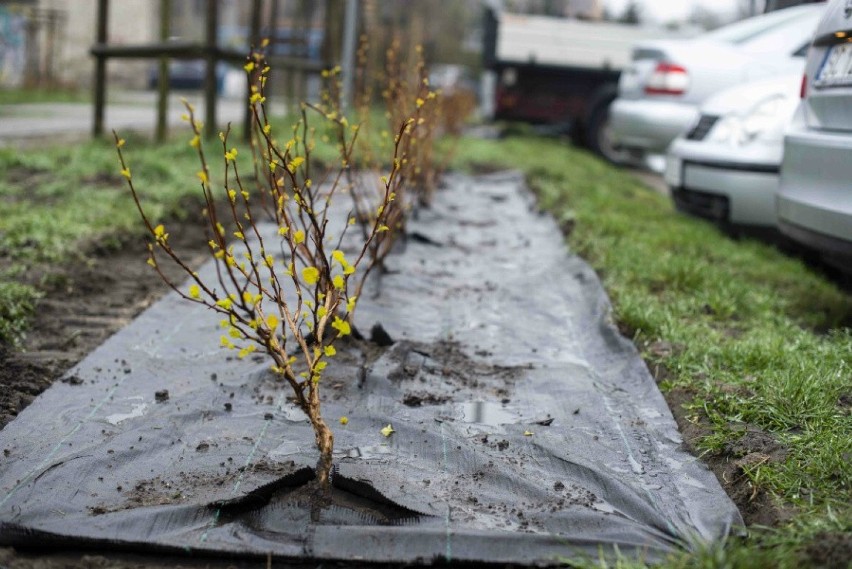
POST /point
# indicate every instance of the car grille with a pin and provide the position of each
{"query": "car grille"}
(709, 206)
(702, 127)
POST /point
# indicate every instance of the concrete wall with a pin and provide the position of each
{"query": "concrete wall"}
(130, 22)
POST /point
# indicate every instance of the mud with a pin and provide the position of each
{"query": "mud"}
(85, 302)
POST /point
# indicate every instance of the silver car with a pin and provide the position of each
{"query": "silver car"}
(815, 195)
(659, 94)
(726, 166)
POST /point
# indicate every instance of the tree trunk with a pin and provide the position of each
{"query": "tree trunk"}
(324, 439)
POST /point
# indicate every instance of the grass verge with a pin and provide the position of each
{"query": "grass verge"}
(60, 202)
(757, 345)
(25, 96)
(760, 344)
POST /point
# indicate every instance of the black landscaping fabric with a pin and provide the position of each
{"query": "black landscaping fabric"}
(527, 430)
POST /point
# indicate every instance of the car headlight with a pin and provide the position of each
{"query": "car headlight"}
(741, 129)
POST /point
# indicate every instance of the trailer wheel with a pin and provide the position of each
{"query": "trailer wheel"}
(599, 137)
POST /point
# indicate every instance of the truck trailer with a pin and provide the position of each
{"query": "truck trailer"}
(560, 72)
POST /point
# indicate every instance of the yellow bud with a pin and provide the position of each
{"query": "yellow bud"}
(311, 275)
(272, 321)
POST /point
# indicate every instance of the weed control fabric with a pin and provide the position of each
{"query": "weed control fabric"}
(526, 429)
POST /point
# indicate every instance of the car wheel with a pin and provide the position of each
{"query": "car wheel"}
(600, 140)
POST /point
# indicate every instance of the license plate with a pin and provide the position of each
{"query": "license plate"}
(674, 171)
(837, 67)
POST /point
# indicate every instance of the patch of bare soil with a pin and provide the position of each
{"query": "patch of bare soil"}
(751, 448)
(85, 302)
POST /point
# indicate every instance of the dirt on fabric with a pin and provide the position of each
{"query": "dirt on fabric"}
(86, 302)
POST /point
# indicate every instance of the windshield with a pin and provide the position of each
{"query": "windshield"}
(787, 38)
(751, 29)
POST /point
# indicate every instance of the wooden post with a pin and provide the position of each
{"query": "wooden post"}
(32, 74)
(163, 77)
(100, 70)
(254, 43)
(333, 40)
(350, 41)
(210, 50)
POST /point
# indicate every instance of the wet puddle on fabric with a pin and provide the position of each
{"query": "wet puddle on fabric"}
(487, 413)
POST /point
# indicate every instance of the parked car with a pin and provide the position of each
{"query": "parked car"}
(187, 74)
(815, 194)
(726, 166)
(660, 92)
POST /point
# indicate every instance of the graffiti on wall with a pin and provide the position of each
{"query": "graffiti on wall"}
(12, 47)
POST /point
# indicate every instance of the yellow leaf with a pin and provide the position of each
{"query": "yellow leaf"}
(299, 237)
(528, 433)
(341, 326)
(194, 291)
(387, 431)
(330, 351)
(338, 282)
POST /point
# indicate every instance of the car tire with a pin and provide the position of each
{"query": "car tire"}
(599, 137)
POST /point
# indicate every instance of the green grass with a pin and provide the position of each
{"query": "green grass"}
(59, 201)
(24, 96)
(755, 335)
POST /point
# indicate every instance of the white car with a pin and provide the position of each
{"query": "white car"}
(726, 166)
(815, 195)
(660, 93)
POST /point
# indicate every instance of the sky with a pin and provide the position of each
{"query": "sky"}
(666, 10)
